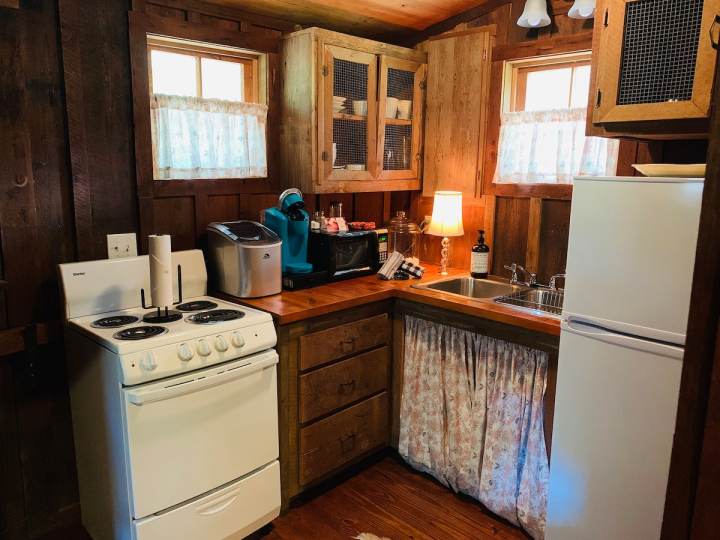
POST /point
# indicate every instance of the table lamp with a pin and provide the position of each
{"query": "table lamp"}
(446, 221)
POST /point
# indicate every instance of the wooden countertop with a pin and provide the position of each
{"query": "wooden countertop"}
(292, 306)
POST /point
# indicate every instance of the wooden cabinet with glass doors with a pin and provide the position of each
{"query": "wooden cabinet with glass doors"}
(352, 114)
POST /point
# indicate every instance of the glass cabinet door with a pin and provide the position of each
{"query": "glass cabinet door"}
(348, 111)
(400, 116)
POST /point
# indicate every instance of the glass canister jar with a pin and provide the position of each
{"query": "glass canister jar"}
(403, 236)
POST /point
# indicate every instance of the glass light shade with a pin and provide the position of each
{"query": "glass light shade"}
(582, 9)
(447, 214)
(534, 15)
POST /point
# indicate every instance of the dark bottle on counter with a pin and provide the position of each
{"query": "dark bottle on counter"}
(479, 258)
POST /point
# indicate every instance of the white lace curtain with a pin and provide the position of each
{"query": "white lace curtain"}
(551, 147)
(471, 415)
(207, 138)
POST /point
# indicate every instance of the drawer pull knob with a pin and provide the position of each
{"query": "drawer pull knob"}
(347, 443)
(347, 386)
(348, 343)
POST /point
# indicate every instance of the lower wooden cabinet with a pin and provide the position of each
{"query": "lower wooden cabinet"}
(334, 441)
(334, 393)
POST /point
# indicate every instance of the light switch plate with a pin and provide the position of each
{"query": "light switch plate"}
(121, 245)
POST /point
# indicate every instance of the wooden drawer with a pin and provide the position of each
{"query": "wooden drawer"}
(321, 347)
(337, 439)
(331, 387)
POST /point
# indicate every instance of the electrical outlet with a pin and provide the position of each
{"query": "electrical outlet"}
(121, 245)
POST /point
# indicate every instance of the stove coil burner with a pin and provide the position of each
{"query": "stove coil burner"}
(197, 305)
(162, 316)
(215, 316)
(114, 322)
(139, 332)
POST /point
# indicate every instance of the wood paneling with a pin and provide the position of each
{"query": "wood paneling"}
(512, 217)
(376, 17)
(692, 502)
(176, 216)
(554, 231)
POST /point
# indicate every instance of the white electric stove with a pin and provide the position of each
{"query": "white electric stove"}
(174, 414)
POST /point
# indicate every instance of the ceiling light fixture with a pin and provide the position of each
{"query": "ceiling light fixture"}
(582, 9)
(534, 15)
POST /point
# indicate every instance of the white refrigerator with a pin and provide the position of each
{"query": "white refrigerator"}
(630, 263)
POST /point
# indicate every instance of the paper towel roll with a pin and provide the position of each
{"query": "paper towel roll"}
(161, 275)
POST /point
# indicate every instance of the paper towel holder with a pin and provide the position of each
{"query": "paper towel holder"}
(180, 294)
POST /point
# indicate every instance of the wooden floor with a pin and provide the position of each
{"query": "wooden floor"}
(387, 499)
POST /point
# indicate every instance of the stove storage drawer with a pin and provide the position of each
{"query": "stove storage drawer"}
(338, 439)
(329, 388)
(237, 509)
(321, 347)
(189, 435)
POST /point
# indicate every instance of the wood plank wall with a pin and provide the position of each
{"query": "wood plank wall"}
(529, 225)
(68, 179)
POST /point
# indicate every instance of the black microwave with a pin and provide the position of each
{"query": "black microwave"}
(346, 255)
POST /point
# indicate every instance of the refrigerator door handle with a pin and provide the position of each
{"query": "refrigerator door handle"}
(582, 328)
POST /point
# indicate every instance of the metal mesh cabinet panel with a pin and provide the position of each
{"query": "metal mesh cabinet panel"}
(350, 110)
(659, 53)
(398, 120)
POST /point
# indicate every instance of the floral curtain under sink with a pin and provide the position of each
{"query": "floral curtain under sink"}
(472, 416)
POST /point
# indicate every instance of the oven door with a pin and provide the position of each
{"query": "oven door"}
(189, 435)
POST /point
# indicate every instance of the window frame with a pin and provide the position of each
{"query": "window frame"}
(518, 90)
(197, 51)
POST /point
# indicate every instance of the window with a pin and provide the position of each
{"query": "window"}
(542, 133)
(205, 117)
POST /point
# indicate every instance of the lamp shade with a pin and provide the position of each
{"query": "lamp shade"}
(534, 15)
(447, 214)
(582, 9)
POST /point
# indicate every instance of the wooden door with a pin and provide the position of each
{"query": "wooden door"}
(656, 60)
(458, 81)
(347, 131)
(400, 118)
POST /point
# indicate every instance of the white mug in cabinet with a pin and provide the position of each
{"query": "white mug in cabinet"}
(391, 107)
(334, 153)
(404, 109)
(360, 107)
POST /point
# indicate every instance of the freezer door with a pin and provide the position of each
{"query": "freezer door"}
(612, 436)
(631, 253)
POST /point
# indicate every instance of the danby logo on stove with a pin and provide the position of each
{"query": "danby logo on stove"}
(76, 274)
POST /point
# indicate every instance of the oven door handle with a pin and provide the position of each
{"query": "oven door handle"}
(144, 396)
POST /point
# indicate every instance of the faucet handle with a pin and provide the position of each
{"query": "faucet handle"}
(512, 268)
(553, 280)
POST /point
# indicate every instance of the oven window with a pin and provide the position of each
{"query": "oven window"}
(351, 254)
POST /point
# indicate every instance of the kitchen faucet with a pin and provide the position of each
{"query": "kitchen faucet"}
(532, 277)
(553, 281)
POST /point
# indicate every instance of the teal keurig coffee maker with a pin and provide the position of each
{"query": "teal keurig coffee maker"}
(291, 223)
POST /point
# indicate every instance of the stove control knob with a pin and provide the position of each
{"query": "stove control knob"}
(237, 340)
(221, 344)
(185, 352)
(148, 362)
(203, 348)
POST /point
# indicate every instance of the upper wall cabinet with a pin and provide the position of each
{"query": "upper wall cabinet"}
(653, 67)
(352, 113)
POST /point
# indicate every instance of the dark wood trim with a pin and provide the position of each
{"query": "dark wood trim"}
(544, 191)
(13, 4)
(692, 501)
(541, 47)
(255, 41)
(225, 12)
(448, 24)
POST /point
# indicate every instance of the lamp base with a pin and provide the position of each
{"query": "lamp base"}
(444, 253)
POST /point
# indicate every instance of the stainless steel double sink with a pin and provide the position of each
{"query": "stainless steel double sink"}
(538, 300)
